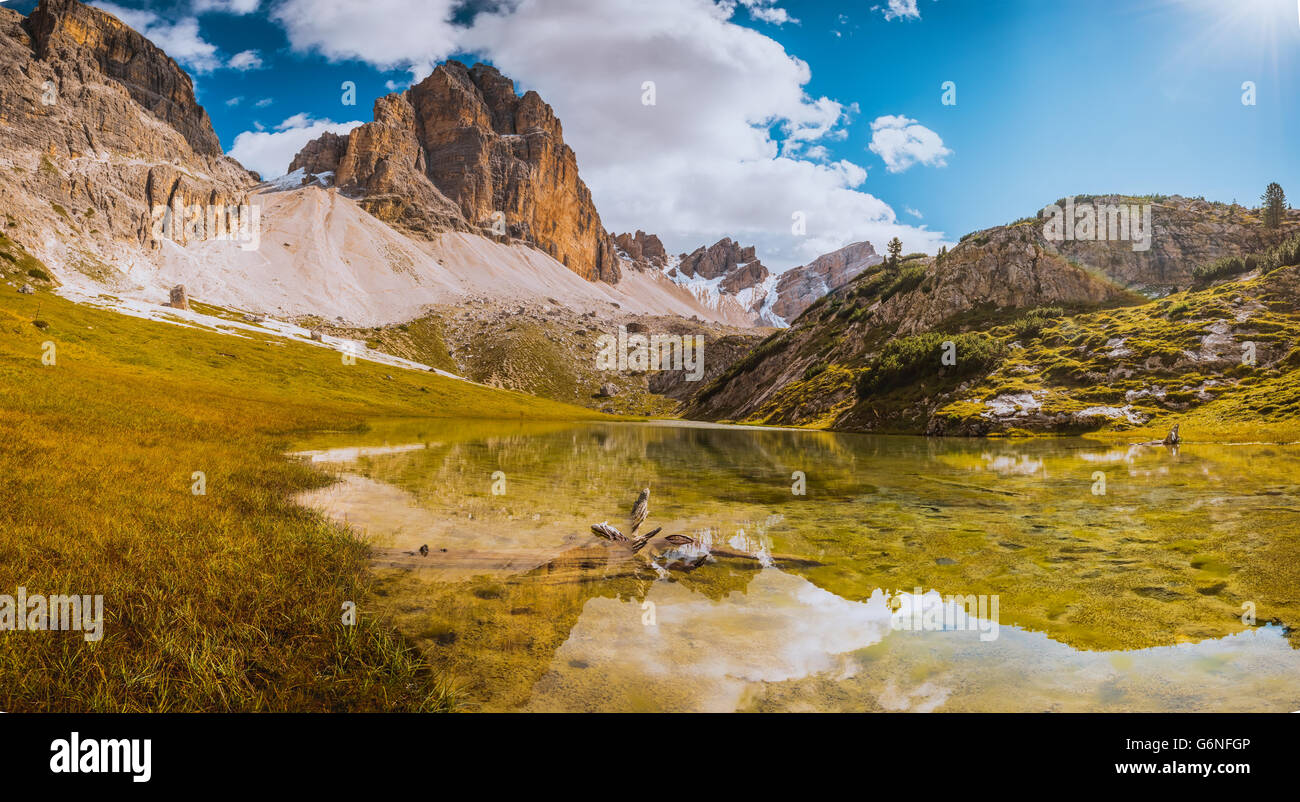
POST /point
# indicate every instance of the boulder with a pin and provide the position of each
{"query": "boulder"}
(179, 299)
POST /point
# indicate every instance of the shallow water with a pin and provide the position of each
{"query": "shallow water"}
(1138, 598)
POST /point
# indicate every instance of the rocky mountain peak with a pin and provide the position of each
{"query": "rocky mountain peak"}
(77, 36)
(642, 248)
(461, 150)
(101, 130)
(799, 287)
(720, 258)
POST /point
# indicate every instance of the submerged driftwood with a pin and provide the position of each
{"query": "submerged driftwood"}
(640, 509)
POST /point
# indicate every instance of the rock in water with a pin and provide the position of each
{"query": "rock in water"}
(1173, 438)
(179, 300)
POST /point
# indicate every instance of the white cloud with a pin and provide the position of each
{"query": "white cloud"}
(902, 142)
(766, 11)
(901, 9)
(239, 7)
(700, 164)
(385, 33)
(180, 39)
(235, 101)
(269, 152)
(245, 60)
(264, 102)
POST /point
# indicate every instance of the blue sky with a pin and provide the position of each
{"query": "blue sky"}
(767, 109)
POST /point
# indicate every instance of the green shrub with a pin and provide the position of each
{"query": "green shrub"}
(1224, 267)
(1035, 320)
(907, 280)
(1284, 255)
(909, 359)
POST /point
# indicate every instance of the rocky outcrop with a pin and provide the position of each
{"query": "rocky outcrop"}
(720, 258)
(799, 287)
(1184, 233)
(384, 164)
(83, 39)
(642, 249)
(1007, 268)
(725, 274)
(461, 150)
(745, 276)
(100, 129)
(321, 155)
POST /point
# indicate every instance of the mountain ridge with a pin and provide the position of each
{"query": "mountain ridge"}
(814, 372)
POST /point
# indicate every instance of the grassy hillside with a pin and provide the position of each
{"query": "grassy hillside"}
(1220, 356)
(230, 600)
(1181, 359)
(1136, 369)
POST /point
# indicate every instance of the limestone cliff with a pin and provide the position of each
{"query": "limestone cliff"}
(461, 150)
(98, 126)
(799, 287)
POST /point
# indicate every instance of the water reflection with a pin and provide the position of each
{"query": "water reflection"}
(1128, 600)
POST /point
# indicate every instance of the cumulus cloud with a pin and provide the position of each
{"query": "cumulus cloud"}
(238, 7)
(235, 101)
(245, 60)
(733, 144)
(901, 9)
(903, 142)
(767, 11)
(264, 102)
(269, 152)
(415, 34)
(180, 39)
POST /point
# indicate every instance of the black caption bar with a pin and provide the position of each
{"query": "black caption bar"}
(142, 753)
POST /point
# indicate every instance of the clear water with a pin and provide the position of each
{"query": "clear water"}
(1175, 589)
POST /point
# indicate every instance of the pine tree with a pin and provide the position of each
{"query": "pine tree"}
(1274, 203)
(895, 250)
